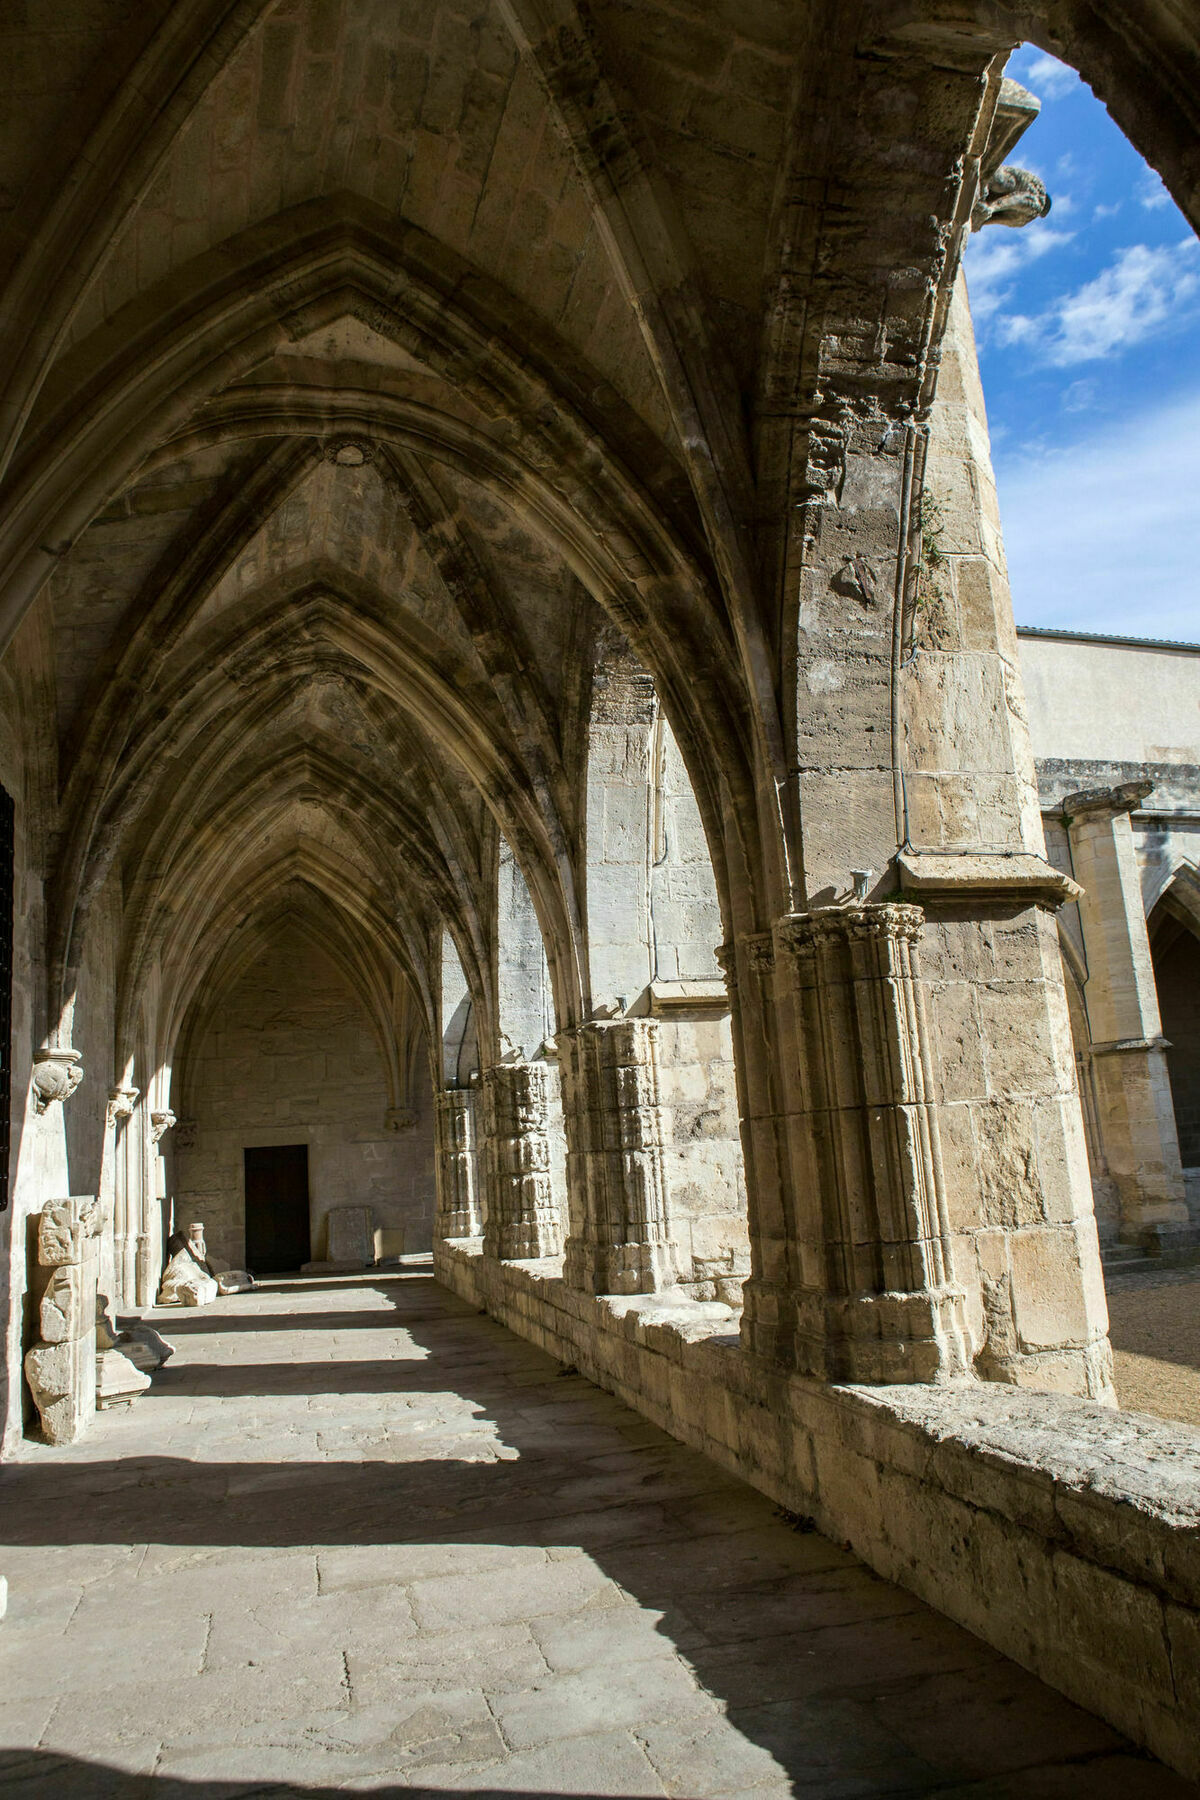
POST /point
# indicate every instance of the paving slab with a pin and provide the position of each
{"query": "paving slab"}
(359, 1539)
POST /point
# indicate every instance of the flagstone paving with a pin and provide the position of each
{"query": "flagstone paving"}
(359, 1539)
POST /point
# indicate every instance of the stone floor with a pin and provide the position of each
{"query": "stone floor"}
(1155, 1322)
(361, 1540)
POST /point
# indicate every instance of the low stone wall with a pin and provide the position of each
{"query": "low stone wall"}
(1064, 1534)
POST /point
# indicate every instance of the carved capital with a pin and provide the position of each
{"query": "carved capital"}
(160, 1124)
(56, 1075)
(121, 1102)
(893, 921)
(758, 948)
(400, 1118)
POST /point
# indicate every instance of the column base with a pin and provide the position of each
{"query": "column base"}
(1161, 1239)
(876, 1339)
(460, 1224)
(618, 1268)
(525, 1240)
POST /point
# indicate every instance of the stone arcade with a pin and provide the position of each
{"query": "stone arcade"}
(488, 749)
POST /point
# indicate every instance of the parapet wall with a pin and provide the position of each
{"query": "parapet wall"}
(1062, 1533)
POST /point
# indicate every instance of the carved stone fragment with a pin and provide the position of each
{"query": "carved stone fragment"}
(189, 1279)
(61, 1368)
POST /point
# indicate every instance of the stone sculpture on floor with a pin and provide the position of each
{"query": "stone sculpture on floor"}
(189, 1279)
(119, 1380)
(145, 1348)
(61, 1369)
(234, 1281)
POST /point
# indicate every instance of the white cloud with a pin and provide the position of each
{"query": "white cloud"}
(1141, 292)
(997, 255)
(1105, 536)
(1081, 395)
(1152, 192)
(1107, 212)
(1049, 78)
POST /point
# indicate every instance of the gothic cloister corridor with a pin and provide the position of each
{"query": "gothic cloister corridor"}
(360, 1539)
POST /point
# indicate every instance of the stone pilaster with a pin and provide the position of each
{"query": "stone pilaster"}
(458, 1201)
(522, 1215)
(1134, 1113)
(61, 1368)
(876, 1298)
(617, 1128)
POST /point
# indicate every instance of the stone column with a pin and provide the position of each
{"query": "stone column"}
(1136, 1118)
(150, 1239)
(616, 1131)
(874, 1296)
(127, 1196)
(522, 1214)
(458, 1204)
(61, 1369)
(914, 784)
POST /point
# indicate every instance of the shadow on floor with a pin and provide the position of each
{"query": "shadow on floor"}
(194, 1321)
(853, 1686)
(34, 1770)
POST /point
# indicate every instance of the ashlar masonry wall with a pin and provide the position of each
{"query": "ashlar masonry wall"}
(290, 1058)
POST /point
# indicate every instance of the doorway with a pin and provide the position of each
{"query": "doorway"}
(277, 1236)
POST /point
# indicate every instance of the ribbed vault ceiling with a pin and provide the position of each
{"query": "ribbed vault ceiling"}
(362, 357)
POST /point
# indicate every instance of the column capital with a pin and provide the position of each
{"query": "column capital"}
(855, 921)
(121, 1102)
(56, 1075)
(758, 950)
(161, 1121)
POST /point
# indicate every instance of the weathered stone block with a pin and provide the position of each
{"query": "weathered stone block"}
(68, 1307)
(62, 1379)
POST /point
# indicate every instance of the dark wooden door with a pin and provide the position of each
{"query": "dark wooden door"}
(276, 1208)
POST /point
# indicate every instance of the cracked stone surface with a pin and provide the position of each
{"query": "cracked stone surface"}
(359, 1539)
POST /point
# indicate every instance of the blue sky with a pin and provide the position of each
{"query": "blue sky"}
(1088, 325)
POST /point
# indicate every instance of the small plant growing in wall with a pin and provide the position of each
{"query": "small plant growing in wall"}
(931, 551)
